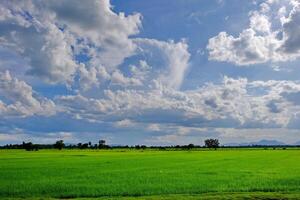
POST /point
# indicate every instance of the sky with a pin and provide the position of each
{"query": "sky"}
(159, 72)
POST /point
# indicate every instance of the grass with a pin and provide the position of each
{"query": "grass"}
(237, 174)
(209, 196)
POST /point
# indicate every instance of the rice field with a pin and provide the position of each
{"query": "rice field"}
(148, 174)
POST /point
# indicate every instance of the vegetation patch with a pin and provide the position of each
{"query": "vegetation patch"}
(148, 173)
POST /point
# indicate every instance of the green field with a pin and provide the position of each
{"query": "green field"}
(221, 174)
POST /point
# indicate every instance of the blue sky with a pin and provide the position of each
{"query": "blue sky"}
(149, 72)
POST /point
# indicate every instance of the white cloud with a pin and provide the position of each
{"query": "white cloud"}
(141, 71)
(265, 40)
(10, 137)
(234, 103)
(291, 31)
(92, 77)
(39, 41)
(84, 46)
(119, 79)
(153, 127)
(175, 59)
(96, 23)
(18, 99)
(50, 35)
(125, 123)
(260, 23)
(19, 136)
(246, 49)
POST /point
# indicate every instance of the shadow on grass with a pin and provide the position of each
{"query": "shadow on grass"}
(208, 196)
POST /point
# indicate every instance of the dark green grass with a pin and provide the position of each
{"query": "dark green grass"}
(205, 196)
(74, 174)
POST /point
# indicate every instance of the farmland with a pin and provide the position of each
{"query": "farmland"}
(150, 174)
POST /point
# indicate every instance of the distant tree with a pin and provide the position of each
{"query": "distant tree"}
(90, 144)
(187, 147)
(212, 143)
(101, 144)
(84, 146)
(59, 144)
(162, 148)
(190, 146)
(36, 147)
(29, 146)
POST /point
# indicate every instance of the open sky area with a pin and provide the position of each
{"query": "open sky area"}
(159, 72)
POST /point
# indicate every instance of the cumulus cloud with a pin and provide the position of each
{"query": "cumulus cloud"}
(119, 79)
(118, 82)
(18, 99)
(51, 35)
(234, 103)
(175, 58)
(96, 22)
(269, 37)
(83, 45)
(39, 41)
(125, 123)
(291, 31)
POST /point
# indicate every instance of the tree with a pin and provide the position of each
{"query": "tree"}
(212, 143)
(84, 146)
(101, 144)
(190, 146)
(29, 146)
(59, 144)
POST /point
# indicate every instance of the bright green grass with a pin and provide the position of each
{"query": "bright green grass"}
(74, 173)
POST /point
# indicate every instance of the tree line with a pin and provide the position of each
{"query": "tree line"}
(60, 144)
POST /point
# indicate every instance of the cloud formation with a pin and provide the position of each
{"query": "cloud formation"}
(272, 36)
(175, 59)
(50, 35)
(234, 103)
(90, 69)
(18, 99)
